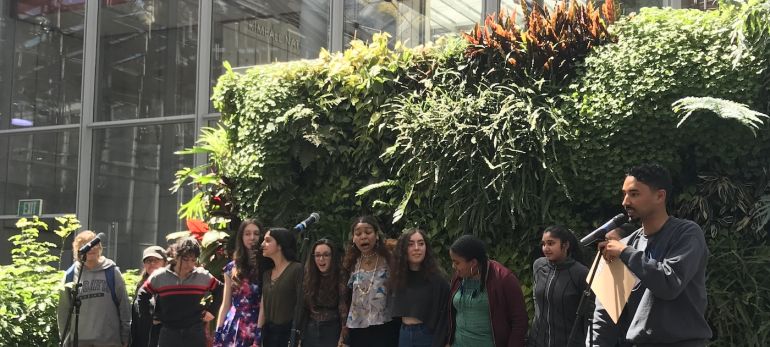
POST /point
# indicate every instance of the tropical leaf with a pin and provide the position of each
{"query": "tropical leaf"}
(213, 236)
(723, 108)
(177, 235)
(378, 185)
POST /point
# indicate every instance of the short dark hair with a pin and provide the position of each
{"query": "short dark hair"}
(654, 175)
(187, 246)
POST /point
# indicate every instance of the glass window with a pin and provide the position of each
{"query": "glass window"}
(133, 168)
(247, 33)
(453, 16)
(39, 166)
(630, 6)
(147, 58)
(7, 229)
(41, 54)
(694, 4)
(406, 20)
(515, 5)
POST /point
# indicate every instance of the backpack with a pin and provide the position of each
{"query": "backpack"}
(109, 275)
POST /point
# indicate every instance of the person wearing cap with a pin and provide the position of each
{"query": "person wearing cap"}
(143, 332)
(179, 291)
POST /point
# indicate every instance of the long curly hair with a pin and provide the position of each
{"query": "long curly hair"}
(312, 281)
(353, 253)
(399, 270)
(248, 259)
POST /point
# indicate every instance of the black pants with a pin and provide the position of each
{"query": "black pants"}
(385, 335)
(321, 333)
(192, 336)
(275, 335)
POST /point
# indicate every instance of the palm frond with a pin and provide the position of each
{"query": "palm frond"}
(723, 108)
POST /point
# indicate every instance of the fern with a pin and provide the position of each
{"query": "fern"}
(723, 108)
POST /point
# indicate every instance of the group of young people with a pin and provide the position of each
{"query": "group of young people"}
(368, 296)
(372, 295)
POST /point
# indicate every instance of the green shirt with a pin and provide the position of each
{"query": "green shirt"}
(281, 296)
(473, 328)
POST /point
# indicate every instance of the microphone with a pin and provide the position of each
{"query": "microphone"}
(91, 244)
(598, 234)
(314, 217)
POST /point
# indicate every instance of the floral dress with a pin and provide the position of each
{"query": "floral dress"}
(240, 326)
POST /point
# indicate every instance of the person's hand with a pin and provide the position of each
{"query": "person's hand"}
(343, 337)
(207, 316)
(614, 234)
(612, 249)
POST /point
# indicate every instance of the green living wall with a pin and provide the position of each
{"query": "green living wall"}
(462, 139)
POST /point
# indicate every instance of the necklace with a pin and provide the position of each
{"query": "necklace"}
(361, 288)
(367, 256)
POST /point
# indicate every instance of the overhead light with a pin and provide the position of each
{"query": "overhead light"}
(21, 122)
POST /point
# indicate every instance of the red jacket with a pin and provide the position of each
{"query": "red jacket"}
(507, 311)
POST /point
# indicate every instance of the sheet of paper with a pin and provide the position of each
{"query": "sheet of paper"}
(612, 286)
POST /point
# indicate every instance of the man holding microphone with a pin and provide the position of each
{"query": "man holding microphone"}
(668, 255)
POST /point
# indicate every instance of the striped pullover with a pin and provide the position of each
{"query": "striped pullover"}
(178, 302)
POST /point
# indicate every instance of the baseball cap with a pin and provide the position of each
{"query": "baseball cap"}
(155, 252)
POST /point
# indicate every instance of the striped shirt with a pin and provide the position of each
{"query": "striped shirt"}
(179, 302)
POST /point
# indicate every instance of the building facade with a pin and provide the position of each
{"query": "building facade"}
(97, 95)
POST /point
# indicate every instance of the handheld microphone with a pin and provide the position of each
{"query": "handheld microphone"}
(314, 217)
(91, 244)
(598, 234)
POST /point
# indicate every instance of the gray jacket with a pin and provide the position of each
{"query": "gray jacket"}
(557, 292)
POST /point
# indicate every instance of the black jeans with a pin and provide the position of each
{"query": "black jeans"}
(275, 335)
(385, 335)
(192, 336)
(321, 333)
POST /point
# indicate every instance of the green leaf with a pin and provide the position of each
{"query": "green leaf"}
(177, 235)
(213, 236)
(383, 184)
(723, 108)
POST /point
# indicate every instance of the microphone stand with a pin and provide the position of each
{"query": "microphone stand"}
(581, 305)
(75, 303)
(295, 335)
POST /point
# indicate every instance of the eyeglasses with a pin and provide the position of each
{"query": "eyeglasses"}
(322, 255)
(188, 259)
(152, 260)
